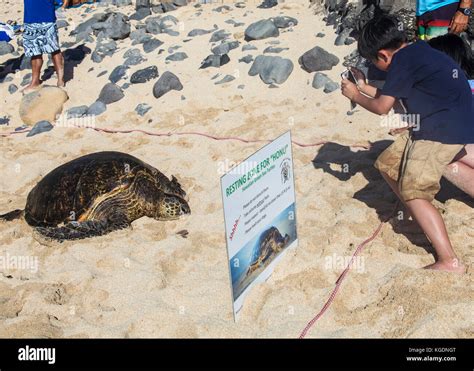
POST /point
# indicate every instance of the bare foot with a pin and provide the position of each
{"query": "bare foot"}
(61, 84)
(31, 88)
(454, 266)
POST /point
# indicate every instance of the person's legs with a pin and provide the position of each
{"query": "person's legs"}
(461, 172)
(58, 61)
(430, 220)
(422, 168)
(36, 64)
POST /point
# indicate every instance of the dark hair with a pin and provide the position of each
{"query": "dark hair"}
(382, 32)
(457, 49)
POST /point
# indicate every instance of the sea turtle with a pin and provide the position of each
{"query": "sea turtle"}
(271, 242)
(98, 193)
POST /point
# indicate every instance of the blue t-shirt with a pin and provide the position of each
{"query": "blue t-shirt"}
(423, 6)
(435, 92)
(39, 11)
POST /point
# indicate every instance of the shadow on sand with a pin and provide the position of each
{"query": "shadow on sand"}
(377, 194)
(72, 58)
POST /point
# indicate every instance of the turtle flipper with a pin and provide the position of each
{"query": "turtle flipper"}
(80, 230)
(12, 215)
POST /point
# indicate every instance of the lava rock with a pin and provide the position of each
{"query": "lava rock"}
(247, 59)
(12, 88)
(176, 57)
(331, 86)
(76, 112)
(96, 108)
(118, 74)
(226, 78)
(6, 48)
(247, 47)
(144, 75)
(319, 80)
(40, 127)
(151, 45)
(266, 4)
(167, 82)
(142, 109)
(272, 49)
(219, 35)
(102, 50)
(261, 30)
(272, 69)
(317, 59)
(284, 21)
(140, 14)
(214, 60)
(225, 48)
(110, 93)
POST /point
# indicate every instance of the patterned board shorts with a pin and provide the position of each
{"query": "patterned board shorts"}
(40, 38)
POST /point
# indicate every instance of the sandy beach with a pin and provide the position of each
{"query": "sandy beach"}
(149, 281)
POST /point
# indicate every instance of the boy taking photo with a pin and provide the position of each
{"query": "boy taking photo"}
(435, 90)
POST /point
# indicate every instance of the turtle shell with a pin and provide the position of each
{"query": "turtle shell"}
(67, 191)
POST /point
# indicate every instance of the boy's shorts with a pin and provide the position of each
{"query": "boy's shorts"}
(40, 38)
(417, 165)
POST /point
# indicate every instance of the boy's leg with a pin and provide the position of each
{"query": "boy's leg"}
(36, 64)
(422, 168)
(58, 61)
(461, 172)
(430, 220)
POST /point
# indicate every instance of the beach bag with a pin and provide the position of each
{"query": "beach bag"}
(6, 32)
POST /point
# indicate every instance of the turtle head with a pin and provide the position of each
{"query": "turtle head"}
(171, 207)
(175, 188)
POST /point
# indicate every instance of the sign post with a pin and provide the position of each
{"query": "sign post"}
(260, 215)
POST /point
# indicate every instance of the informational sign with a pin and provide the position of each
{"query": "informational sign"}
(260, 215)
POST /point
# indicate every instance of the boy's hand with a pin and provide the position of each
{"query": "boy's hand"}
(349, 89)
(359, 76)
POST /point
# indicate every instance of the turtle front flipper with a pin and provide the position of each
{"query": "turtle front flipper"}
(81, 230)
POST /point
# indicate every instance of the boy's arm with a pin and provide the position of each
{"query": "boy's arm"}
(369, 90)
(380, 104)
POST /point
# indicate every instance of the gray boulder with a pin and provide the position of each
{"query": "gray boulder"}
(225, 48)
(110, 93)
(6, 48)
(76, 112)
(319, 80)
(151, 45)
(144, 75)
(284, 21)
(118, 74)
(272, 69)
(115, 27)
(214, 60)
(40, 127)
(261, 30)
(167, 82)
(177, 57)
(102, 50)
(96, 108)
(317, 59)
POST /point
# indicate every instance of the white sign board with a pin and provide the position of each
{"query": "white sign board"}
(260, 215)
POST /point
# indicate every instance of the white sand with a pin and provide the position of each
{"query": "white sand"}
(150, 282)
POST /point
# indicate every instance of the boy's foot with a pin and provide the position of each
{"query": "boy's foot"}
(31, 88)
(454, 266)
(61, 84)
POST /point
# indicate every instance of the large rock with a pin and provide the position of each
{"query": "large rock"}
(40, 127)
(6, 48)
(115, 27)
(102, 50)
(261, 30)
(214, 60)
(110, 93)
(44, 104)
(272, 70)
(144, 75)
(167, 82)
(318, 59)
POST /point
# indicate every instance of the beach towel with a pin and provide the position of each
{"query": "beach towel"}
(78, 3)
(6, 32)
